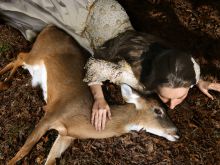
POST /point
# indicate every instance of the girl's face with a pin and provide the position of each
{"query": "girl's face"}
(172, 96)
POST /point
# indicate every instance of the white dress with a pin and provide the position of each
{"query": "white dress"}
(90, 22)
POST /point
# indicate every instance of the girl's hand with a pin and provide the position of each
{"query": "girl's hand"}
(100, 108)
(99, 112)
(205, 86)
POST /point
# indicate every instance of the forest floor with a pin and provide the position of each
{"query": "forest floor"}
(192, 26)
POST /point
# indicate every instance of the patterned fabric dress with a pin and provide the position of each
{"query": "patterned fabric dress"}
(90, 22)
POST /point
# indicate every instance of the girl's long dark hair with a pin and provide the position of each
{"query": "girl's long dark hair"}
(153, 62)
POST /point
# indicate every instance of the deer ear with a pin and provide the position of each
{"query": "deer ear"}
(128, 94)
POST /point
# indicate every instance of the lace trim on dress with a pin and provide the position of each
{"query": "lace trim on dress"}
(101, 70)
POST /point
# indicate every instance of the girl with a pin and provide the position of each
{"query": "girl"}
(147, 60)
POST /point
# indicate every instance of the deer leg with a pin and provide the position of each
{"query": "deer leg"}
(13, 66)
(59, 146)
(6, 68)
(5, 84)
(35, 136)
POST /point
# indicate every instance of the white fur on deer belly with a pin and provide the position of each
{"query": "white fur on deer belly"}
(39, 76)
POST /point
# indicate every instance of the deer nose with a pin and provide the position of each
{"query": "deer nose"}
(174, 132)
(177, 135)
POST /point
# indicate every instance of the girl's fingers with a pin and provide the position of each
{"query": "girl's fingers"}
(99, 125)
(207, 94)
(103, 120)
(109, 114)
(100, 119)
(93, 117)
(94, 111)
(96, 120)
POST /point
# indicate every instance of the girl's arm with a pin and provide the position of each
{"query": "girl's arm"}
(117, 73)
(98, 71)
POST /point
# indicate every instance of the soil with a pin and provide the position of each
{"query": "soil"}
(193, 26)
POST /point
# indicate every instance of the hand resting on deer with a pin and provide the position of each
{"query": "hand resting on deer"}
(56, 63)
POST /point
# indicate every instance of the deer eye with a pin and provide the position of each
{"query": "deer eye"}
(158, 111)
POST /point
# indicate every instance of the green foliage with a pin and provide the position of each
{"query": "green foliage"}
(5, 47)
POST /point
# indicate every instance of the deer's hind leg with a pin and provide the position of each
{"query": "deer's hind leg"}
(34, 137)
(60, 145)
(12, 66)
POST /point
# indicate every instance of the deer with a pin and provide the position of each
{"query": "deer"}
(56, 63)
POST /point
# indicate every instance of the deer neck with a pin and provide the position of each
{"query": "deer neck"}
(126, 118)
